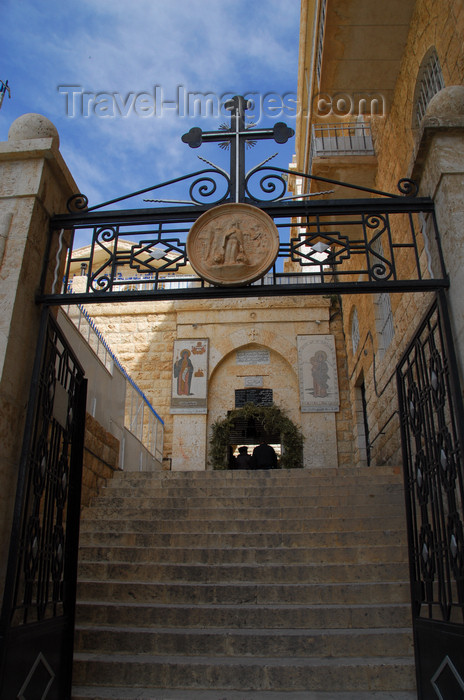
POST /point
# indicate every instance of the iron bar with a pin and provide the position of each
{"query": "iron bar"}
(387, 205)
(249, 291)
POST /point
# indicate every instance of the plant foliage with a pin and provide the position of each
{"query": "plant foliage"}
(273, 420)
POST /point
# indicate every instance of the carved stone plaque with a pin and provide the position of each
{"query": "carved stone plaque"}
(232, 244)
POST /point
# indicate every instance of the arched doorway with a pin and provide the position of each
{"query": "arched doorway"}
(254, 424)
(228, 397)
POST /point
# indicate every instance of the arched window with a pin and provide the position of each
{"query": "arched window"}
(383, 321)
(320, 39)
(355, 330)
(429, 82)
(382, 303)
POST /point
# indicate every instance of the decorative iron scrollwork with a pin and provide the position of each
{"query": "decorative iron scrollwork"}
(205, 187)
(408, 187)
(456, 545)
(77, 202)
(380, 267)
(273, 183)
(341, 245)
(40, 590)
(427, 553)
(422, 479)
(431, 419)
(415, 409)
(101, 283)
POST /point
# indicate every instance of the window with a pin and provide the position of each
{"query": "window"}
(429, 82)
(362, 424)
(355, 330)
(382, 304)
(384, 321)
(320, 39)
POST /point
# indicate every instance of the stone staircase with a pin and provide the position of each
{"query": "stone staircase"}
(245, 585)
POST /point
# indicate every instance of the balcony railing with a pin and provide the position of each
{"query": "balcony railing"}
(347, 139)
(140, 283)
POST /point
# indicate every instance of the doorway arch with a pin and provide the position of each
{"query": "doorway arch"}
(268, 422)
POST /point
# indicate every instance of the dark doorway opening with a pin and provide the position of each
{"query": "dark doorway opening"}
(249, 432)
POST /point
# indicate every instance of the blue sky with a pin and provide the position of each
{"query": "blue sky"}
(121, 54)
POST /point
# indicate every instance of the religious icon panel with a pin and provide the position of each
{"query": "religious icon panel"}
(317, 369)
(189, 376)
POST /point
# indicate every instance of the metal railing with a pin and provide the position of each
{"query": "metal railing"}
(345, 139)
(89, 331)
(149, 282)
(142, 420)
(140, 417)
(345, 230)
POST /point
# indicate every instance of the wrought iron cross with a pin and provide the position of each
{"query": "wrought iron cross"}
(237, 136)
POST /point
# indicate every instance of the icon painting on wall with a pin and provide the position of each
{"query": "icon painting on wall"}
(317, 369)
(189, 376)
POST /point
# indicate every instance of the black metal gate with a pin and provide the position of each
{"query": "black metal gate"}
(384, 242)
(431, 413)
(37, 622)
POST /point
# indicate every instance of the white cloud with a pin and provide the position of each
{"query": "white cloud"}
(122, 47)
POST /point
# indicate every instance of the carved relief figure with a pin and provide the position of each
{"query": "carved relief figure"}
(232, 244)
(227, 247)
(183, 371)
(320, 372)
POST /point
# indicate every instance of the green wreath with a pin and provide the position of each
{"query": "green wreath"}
(273, 420)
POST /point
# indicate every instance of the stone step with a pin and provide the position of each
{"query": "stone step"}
(127, 512)
(235, 525)
(245, 593)
(253, 573)
(268, 502)
(99, 693)
(235, 673)
(316, 492)
(233, 584)
(245, 555)
(242, 616)
(371, 474)
(245, 642)
(243, 539)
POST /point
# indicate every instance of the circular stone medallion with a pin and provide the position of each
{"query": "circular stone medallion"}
(232, 244)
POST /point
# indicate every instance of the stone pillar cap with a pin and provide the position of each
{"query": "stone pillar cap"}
(446, 104)
(444, 115)
(33, 126)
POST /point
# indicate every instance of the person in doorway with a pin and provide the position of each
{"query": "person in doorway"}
(244, 460)
(264, 456)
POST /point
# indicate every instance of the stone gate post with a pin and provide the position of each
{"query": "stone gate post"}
(35, 183)
(439, 169)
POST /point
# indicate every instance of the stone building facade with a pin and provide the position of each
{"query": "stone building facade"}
(381, 99)
(374, 101)
(143, 338)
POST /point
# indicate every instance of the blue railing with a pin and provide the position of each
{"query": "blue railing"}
(140, 419)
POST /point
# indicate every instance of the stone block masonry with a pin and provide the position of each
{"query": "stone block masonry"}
(101, 459)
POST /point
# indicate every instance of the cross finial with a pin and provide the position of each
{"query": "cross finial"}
(237, 136)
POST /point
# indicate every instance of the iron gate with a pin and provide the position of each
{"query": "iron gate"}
(383, 243)
(37, 622)
(431, 415)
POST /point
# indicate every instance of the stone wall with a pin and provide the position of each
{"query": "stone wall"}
(101, 459)
(439, 25)
(142, 337)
